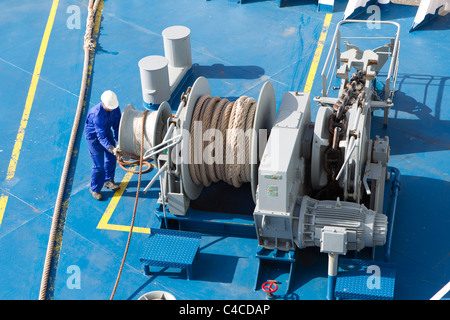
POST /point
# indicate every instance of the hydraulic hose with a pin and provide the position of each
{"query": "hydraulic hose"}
(89, 45)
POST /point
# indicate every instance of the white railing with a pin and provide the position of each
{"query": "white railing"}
(332, 61)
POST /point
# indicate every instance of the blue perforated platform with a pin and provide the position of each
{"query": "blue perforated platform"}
(362, 279)
(170, 249)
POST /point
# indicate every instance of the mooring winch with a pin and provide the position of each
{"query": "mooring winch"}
(314, 184)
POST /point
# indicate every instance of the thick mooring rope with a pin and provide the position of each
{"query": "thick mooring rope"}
(89, 45)
(231, 121)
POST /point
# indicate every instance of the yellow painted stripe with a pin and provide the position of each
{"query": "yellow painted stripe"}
(104, 221)
(28, 104)
(114, 201)
(3, 201)
(116, 227)
(317, 54)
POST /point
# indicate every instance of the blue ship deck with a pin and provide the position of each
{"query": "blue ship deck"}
(238, 48)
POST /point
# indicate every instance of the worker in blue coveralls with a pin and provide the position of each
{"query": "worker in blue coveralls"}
(101, 121)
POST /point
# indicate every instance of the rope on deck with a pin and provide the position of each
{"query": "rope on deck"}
(89, 45)
(141, 163)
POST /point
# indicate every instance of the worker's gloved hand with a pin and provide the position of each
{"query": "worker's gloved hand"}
(114, 150)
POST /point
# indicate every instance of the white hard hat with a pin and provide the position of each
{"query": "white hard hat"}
(109, 99)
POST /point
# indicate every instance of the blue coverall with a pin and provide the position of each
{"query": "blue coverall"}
(99, 137)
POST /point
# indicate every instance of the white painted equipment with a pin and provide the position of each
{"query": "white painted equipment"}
(322, 221)
(427, 10)
(354, 7)
(154, 79)
(263, 119)
(169, 141)
(131, 124)
(161, 75)
(316, 184)
(315, 178)
(177, 50)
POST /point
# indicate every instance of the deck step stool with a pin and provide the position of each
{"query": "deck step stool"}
(365, 280)
(170, 249)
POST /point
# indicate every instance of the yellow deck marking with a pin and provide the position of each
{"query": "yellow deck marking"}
(104, 221)
(103, 224)
(317, 54)
(28, 104)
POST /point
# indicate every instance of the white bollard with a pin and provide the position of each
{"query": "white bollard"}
(154, 80)
(161, 76)
(177, 46)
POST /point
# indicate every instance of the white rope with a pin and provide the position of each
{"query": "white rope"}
(89, 43)
(230, 121)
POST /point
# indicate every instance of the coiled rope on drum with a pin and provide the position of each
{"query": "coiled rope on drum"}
(231, 121)
(89, 46)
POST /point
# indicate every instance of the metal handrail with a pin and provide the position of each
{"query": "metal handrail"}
(335, 47)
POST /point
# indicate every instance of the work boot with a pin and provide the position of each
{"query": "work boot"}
(96, 195)
(111, 185)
